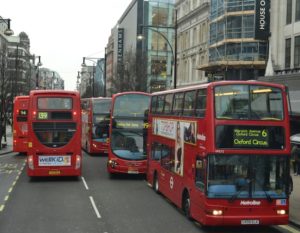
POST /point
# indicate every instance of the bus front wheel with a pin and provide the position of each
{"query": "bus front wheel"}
(186, 205)
(155, 183)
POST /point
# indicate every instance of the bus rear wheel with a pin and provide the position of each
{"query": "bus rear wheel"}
(155, 183)
(186, 205)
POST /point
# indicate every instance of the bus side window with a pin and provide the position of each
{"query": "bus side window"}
(189, 103)
(178, 103)
(160, 104)
(167, 157)
(153, 104)
(200, 174)
(156, 151)
(168, 104)
(201, 103)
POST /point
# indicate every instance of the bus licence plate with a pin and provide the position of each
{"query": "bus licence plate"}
(250, 222)
(132, 171)
(54, 172)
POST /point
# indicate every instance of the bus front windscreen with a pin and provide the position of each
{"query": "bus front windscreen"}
(101, 119)
(248, 102)
(247, 176)
(101, 106)
(128, 144)
(131, 105)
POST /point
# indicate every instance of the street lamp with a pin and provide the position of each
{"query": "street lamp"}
(37, 71)
(97, 64)
(173, 51)
(77, 82)
(8, 31)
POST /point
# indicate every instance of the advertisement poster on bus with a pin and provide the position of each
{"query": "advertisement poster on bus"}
(182, 132)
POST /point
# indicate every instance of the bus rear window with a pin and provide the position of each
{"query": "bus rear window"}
(54, 103)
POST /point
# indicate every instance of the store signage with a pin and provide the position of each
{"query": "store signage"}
(120, 44)
(262, 19)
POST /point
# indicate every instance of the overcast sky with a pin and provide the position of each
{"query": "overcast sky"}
(64, 31)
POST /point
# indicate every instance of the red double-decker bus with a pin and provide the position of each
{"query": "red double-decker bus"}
(128, 133)
(20, 125)
(54, 130)
(220, 151)
(95, 124)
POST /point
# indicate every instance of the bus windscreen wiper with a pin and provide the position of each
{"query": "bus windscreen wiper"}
(234, 196)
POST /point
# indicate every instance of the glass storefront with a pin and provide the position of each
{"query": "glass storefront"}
(160, 43)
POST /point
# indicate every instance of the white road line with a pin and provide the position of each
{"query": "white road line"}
(290, 229)
(95, 207)
(85, 184)
(4, 156)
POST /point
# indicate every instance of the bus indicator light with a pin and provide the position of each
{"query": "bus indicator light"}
(30, 162)
(78, 162)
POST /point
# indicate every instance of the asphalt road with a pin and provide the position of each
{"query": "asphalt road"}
(93, 203)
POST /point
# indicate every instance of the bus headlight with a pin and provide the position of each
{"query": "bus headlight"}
(78, 162)
(215, 212)
(112, 163)
(281, 212)
(30, 162)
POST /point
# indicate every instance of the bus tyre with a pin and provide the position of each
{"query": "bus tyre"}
(186, 205)
(155, 183)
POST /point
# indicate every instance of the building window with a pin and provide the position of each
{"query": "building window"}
(288, 53)
(159, 16)
(158, 65)
(289, 12)
(297, 52)
(158, 42)
(297, 18)
(195, 41)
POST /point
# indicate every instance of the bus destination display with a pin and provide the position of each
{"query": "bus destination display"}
(234, 136)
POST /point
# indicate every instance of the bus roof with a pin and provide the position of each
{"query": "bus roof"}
(213, 84)
(131, 92)
(21, 97)
(51, 92)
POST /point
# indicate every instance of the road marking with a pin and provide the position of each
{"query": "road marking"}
(1, 208)
(10, 189)
(3, 156)
(95, 207)
(6, 197)
(85, 184)
(290, 229)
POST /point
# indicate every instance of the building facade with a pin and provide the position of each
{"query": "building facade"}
(143, 47)
(235, 50)
(192, 40)
(284, 56)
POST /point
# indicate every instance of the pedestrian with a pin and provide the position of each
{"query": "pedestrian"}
(296, 160)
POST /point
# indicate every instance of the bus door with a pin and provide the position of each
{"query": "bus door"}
(198, 191)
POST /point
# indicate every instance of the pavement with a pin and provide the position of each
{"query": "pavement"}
(9, 142)
(294, 197)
